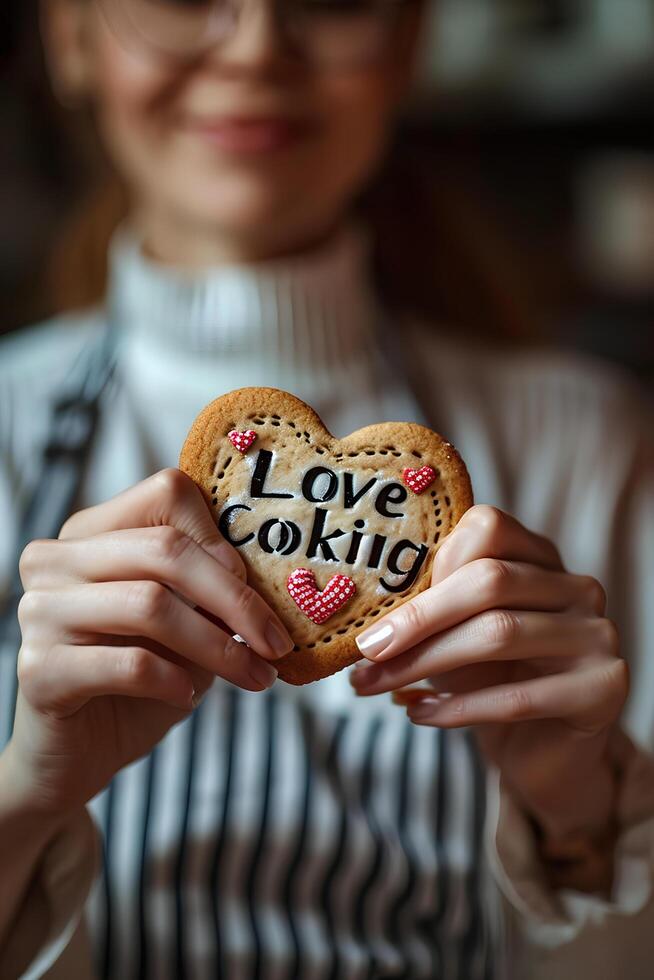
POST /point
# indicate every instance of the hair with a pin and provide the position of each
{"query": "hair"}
(439, 252)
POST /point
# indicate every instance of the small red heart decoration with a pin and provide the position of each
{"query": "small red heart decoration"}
(242, 440)
(418, 480)
(319, 606)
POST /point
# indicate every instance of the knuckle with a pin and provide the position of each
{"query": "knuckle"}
(169, 544)
(614, 676)
(31, 607)
(594, 593)
(491, 575)
(147, 601)
(550, 550)
(619, 670)
(517, 704)
(69, 528)
(485, 517)
(28, 668)
(245, 600)
(412, 618)
(171, 483)
(611, 691)
(458, 707)
(608, 636)
(137, 666)
(31, 558)
(499, 628)
(33, 675)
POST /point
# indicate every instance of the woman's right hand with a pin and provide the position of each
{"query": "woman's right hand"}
(112, 656)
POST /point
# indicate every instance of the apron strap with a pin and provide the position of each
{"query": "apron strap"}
(73, 424)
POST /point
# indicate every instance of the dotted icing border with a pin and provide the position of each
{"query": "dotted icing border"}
(219, 472)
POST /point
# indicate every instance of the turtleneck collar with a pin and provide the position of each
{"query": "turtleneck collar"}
(314, 309)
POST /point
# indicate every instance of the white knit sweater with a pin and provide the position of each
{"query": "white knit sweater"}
(565, 444)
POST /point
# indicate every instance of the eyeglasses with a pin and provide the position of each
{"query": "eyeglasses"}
(327, 33)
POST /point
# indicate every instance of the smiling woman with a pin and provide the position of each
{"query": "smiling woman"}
(467, 277)
(251, 828)
(256, 149)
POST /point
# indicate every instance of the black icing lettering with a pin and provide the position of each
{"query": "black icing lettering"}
(392, 493)
(264, 459)
(378, 543)
(296, 537)
(227, 519)
(320, 540)
(288, 532)
(410, 575)
(309, 484)
(264, 535)
(355, 544)
(350, 498)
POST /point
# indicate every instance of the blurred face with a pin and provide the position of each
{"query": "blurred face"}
(246, 147)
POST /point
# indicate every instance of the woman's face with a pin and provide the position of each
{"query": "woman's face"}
(247, 143)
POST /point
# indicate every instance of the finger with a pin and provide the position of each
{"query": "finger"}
(480, 585)
(499, 635)
(146, 609)
(202, 679)
(459, 681)
(487, 532)
(70, 676)
(407, 696)
(167, 498)
(166, 555)
(588, 700)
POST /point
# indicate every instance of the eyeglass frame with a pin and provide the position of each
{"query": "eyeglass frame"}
(383, 7)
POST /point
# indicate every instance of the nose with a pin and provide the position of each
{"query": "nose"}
(260, 41)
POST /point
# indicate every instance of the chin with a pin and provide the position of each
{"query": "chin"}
(250, 209)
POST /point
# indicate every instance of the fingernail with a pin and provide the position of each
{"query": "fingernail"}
(374, 641)
(225, 555)
(362, 675)
(410, 696)
(280, 642)
(262, 674)
(428, 707)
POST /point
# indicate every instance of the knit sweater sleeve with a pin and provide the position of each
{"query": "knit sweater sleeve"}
(42, 898)
(599, 509)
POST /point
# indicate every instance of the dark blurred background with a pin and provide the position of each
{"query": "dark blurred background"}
(543, 109)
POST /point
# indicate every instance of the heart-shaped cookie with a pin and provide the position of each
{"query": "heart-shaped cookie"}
(334, 532)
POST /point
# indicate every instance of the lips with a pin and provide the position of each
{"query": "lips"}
(253, 134)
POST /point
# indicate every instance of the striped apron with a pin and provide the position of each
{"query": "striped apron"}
(275, 835)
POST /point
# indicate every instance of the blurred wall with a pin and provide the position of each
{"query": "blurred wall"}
(543, 108)
(553, 99)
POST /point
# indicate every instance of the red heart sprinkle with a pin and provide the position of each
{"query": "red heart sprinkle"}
(242, 440)
(319, 606)
(418, 480)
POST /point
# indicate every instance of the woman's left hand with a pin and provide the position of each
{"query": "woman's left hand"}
(513, 644)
